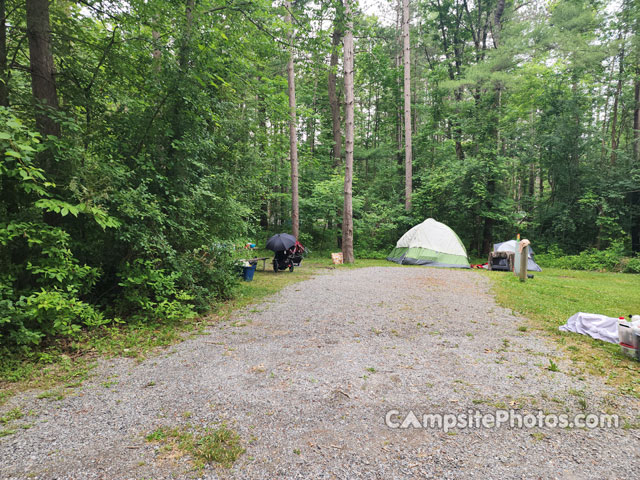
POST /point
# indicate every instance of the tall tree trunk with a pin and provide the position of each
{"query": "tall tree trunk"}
(408, 168)
(4, 69)
(614, 115)
(457, 129)
(636, 118)
(497, 22)
(635, 196)
(347, 212)
(399, 117)
(186, 39)
(293, 138)
(157, 54)
(43, 83)
(311, 122)
(334, 104)
(487, 230)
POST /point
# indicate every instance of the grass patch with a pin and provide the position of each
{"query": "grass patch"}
(44, 370)
(221, 445)
(15, 414)
(554, 295)
(5, 395)
(51, 395)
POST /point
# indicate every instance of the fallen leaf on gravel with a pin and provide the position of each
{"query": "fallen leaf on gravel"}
(258, 368)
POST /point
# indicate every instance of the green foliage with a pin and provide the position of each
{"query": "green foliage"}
(41, 283)
(612, 259)
(150, 293)
(209, 274)
(40, 294)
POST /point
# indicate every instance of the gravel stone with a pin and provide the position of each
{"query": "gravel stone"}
(307, 377)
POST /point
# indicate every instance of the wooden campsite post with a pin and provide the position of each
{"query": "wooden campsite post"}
(520, 259)
(524, 255)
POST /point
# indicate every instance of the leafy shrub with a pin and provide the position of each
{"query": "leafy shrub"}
(631, 265)
(611, 259)
(150, 293)
(41, 286)
(372, 254)
(209, 274)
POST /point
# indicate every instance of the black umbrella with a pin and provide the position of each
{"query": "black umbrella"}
(280, 242)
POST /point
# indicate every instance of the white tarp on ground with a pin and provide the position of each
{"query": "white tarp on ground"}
(433, 235)
(596, 326)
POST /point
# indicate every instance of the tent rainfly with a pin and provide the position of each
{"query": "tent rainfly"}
(430, 243)
(510, 246)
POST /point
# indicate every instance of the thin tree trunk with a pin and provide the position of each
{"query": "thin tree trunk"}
(635, 196)
(43, 83)
(293, 139)
(334, 104)
(347, 212)
(311, 123)
(636, 118)
(157, 53)
(399, 117)
(497, 22)
(408, 167)
(376, 120)
(4, 70)
(614, 115)
(186, 39)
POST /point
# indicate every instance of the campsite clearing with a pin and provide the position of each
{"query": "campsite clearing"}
(306, 378)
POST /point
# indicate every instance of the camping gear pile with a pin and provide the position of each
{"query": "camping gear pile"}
(430, 243)
(288, 251)
(619, 330)
(503, 253)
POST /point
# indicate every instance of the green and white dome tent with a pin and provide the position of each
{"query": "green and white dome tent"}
(430, 243)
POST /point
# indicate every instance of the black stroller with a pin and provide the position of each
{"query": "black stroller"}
(288, 252)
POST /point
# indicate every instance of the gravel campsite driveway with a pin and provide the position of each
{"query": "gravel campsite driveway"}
(307, 377)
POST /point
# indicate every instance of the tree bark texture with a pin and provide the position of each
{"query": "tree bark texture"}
(334, 103)
(4, 70)
(614, 115)
(635, 195)
(408, 167)
(347, 212)
(636, 118)
(43, 83)
(293, 139)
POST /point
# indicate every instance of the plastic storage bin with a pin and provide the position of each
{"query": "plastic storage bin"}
(626, 334)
